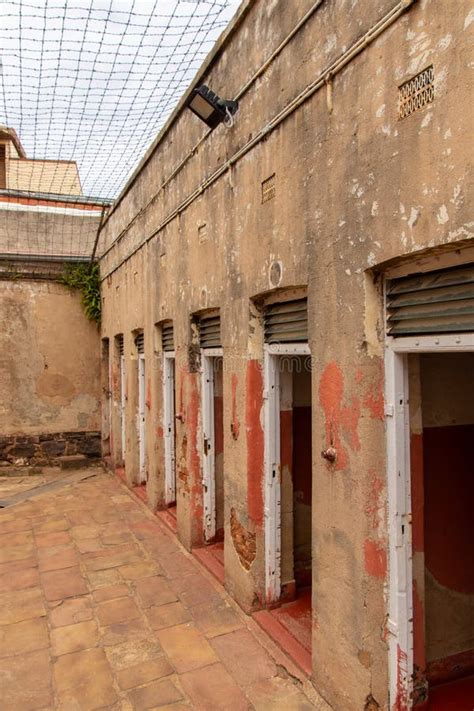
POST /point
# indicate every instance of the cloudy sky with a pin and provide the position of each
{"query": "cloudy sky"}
(94, 80)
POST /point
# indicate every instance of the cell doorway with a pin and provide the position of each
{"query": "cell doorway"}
(441, 397)
(213, 445)
(288, 488)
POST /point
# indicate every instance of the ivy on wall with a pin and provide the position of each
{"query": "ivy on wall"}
(86, 279)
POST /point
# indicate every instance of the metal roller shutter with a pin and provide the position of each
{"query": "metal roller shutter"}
(167, 337)
(210, 331)
(286, 322)
(140, 343)
(435, 302)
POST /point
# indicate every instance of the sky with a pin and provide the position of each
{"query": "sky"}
(94, 80)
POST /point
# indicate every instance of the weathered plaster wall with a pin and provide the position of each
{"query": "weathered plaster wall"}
(49, 361)
(355, 188)
(34, 227)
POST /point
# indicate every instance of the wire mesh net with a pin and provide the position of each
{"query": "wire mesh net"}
(85, 85)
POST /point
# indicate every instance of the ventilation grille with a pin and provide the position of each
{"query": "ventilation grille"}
(140, 343)
(286, 322)
(269, 188)
(120, 344)
(202, 233)
(437, 302)
(210, 332)
(167, 337)
(416, 93)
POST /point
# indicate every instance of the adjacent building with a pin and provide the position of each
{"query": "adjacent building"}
(49, 363)
(288, 337)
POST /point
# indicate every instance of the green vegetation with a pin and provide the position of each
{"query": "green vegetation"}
(86, 279)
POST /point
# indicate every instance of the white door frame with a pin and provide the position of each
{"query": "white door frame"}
(272, 493)
(141, 419)
(169, 429)
(400, 607)
(208, 440)
(122, 404)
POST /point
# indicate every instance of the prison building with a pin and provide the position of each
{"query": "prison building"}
(288, 337)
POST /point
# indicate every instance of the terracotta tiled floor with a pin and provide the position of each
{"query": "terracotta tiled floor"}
(101, 608)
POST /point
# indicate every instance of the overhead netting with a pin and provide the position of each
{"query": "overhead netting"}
(85, 86)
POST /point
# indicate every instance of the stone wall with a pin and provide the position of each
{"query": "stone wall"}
(44, 450)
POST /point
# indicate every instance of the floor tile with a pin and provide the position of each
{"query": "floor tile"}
(133, 651)
(23, 637)
(144, 672)
(55, 559)
(121, 619)
(174, 613)
(215, 620)
(84, 677)
(21, 605)
(55, 538)
(73, 638)
(213, 688)
(244, 657)
(119, 610)
(139, 570)
(26, 682)
(186, 647)
(19, 579)
(58, 584)
(72, 610)
(110, 592)
(154, 591)
(153, 695)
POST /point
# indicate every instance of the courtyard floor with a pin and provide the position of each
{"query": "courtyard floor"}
(102, 608)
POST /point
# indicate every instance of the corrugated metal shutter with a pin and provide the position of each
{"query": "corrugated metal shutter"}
(167, 337)
(210, 331)
(435, 302)
(140, 343)
(286, 322)
(120, 344)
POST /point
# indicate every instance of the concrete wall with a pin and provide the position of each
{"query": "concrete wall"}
(49, 367)
(30, 226)
(357, 189)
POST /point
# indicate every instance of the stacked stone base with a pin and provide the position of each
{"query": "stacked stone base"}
(44, 450)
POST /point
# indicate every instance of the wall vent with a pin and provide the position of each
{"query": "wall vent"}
(140, 343)
(202, 233)
(269, 188)
(416, 93)
(210, 331)
(167, 337)
(120, 344)
(286, 322)
(433, 302)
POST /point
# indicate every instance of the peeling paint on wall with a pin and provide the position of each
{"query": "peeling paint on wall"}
(243, 540)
